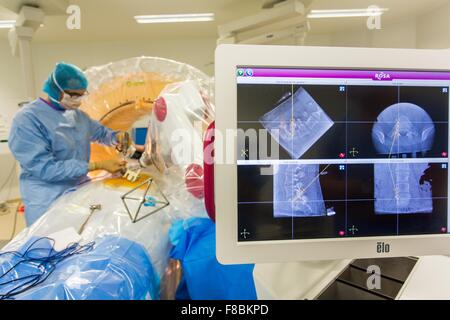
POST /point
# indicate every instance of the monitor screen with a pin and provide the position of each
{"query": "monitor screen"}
(325, 153)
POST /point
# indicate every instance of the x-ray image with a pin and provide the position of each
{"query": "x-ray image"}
(403, 128)
(354, 159)
(297, 191)
(297, 123)
(398, 189)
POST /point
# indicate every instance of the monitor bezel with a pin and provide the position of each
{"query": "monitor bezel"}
(227, 59)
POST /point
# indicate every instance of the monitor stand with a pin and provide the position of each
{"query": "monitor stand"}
(296, 280)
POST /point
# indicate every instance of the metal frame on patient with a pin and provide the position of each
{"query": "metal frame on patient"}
(143, 200)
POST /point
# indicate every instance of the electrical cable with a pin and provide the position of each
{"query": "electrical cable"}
(11, 180)
(4, 212)
(9, 177)
(43, 260)
(123, 105)
(16, 214)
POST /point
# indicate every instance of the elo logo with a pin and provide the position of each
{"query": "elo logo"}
(383, 247)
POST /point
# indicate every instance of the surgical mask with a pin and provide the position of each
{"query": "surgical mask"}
(71, 103)
(68, 102)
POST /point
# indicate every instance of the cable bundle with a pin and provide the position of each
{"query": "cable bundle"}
(34, 265)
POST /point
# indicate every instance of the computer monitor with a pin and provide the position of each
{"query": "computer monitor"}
(337, 153)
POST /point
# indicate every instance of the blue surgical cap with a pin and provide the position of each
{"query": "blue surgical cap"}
(68, 76)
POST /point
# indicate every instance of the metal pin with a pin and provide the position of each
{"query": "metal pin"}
(93, 208)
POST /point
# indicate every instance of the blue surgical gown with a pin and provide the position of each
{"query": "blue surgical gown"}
(52, 146)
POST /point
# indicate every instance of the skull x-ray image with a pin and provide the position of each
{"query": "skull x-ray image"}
(298, 121)
(402, 128)
(297, 191)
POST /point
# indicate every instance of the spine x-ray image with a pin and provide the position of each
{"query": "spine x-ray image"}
(398, 189)
(297, 191)
(402, 128)
(300, 122)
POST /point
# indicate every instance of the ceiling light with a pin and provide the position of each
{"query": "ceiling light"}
(7, 24)
(347, 13)
(171, 18)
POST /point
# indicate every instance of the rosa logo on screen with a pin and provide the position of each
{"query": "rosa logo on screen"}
(382, 76)
(383, 247)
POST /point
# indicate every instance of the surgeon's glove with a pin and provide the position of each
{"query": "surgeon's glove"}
(112, 166)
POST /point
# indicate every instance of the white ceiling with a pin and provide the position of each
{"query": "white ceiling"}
(112, 20)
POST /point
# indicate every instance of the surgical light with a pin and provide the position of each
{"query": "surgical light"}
(172, 18)
(7, 24)
(347, 13)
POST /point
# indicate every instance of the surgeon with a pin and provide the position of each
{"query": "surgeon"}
(50, 138)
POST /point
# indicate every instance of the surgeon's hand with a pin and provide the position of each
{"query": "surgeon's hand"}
(123, 141)
(112, 166)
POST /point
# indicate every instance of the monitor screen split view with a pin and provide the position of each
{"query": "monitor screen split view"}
(347, 153)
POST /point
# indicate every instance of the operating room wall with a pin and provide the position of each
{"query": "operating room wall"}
(433, 28)
(11, 93)
(394, 34)
(427, 30)
(399, 34)
(197, 52)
